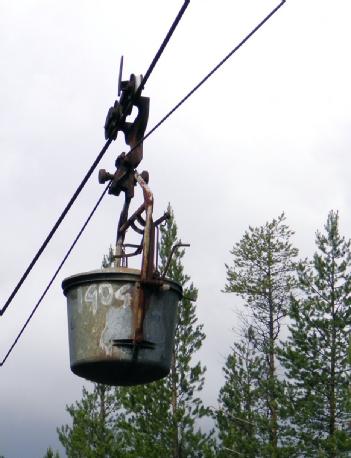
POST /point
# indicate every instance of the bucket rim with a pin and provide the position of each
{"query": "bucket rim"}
(108, 274)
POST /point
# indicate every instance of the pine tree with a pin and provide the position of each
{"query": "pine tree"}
(316, 357)
(162, 416)
(92, 434)
(263, 275)
(241, 406)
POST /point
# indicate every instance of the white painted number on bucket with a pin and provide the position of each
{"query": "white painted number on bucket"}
(106, 293)
(80, 300)
(99, 295)
(123, 294)
(91, 297)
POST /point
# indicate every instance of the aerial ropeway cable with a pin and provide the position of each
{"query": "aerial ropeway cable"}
(110, 133)
(54, 277)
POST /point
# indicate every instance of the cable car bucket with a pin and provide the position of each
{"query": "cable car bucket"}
(121, 321)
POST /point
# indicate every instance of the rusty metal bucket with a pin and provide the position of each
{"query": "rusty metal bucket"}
(101, 325)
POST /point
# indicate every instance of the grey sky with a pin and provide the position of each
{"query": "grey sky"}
(269, 133)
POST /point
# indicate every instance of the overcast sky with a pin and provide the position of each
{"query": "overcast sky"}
(270, 132)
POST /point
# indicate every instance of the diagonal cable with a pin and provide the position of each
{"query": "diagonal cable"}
(55, 275)
(55, 227)
(162, 47)
(94, 165)
(233, 51)
(195, 88)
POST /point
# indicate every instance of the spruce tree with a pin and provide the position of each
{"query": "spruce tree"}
(162, 417)
(241, 405)
(316, 357)
(92, 433)
(262, 274)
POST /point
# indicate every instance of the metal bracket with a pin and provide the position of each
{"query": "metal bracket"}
(127, 91)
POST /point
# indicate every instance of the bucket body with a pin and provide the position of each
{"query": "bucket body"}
(101, 326)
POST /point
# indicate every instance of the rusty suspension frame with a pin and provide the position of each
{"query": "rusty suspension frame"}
(123, 180)
(149, 276)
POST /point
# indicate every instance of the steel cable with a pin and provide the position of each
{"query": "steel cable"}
(195, 88)
(163, 45)
(184, 99)
(55, 275)
(94, 165)
(55, 227)
(145, 137)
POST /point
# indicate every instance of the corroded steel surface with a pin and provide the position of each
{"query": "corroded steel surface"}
(102, 319)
